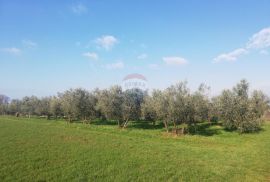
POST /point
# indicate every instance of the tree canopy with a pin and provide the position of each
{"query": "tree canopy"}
(176, 107)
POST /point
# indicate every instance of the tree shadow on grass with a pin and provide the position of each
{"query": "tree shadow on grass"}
(104, 122)
(131, 124)
(206, 129)
(258, 130)
(145, 125)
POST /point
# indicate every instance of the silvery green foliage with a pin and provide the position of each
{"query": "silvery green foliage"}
(177, 105)
(29, 105)
(55, 108)
(148, 109)
(241, 111)
(43, 107)
(76, 104)
(131, 107)
(14, 106)
(4, 101)
(110, 103)
(68, 104)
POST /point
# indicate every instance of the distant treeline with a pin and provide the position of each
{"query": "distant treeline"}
(177, 107)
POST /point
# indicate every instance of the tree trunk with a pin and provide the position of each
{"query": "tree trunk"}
(166, 125)
(125, 124)
(174, 124)
(209, 120)
(183, 130)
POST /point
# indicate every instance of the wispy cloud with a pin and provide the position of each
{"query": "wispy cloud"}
(231, 56)
(175, 61)
(142, 56)
(79, 9)
(260, 40)
(11, 50)
(91, 55)
(29, 44)
(107, 41)
(117, 65)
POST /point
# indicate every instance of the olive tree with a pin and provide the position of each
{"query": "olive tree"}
(90, 112)
(148, 109)
(67, 104)
(110, 103)
(43, 107)
(14, 107)
(131, 107)
(179, 105)
(161, 105)
(4, 100)
(55, 107)
(29, 105)
(82, 102)
(259, 103)
(239, 111)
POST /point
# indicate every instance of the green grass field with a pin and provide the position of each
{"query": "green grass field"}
(42, 150)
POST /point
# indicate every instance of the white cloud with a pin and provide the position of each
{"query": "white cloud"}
(29, 43)
(153, 66)
(231, 56)
(79, 9)
(260, 39)
(142, 56)
(90, 55)
(106, 41)
(12, 50)
(175, 60)
(264, 52)
(117, 65)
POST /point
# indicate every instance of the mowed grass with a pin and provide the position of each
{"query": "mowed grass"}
(42, 150)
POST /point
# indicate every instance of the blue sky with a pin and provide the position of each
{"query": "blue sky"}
(50, 46)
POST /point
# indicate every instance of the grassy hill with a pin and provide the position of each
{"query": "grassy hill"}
(42, 150)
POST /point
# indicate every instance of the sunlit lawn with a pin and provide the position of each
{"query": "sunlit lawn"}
(49, 150)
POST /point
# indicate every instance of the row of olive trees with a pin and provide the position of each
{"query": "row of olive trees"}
(175, 106)
(238, 109)
(72, 104)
